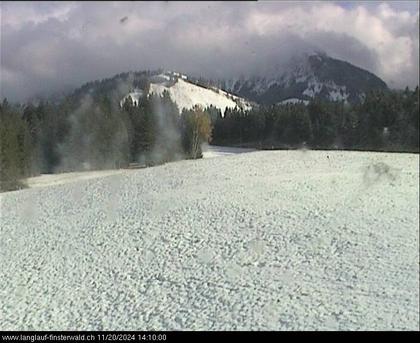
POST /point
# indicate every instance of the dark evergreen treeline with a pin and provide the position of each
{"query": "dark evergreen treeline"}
(385, 121)
(93, 132)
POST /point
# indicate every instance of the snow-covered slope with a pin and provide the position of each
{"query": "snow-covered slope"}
(186, 95)
(284, 240)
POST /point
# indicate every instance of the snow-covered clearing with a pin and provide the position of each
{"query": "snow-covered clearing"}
(210, 151)
(268, 240)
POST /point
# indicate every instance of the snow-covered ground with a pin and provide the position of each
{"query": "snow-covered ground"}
(268, 240)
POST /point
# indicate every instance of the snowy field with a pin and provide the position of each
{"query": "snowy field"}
(269, 240)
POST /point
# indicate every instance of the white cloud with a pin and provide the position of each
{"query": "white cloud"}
(23, 13)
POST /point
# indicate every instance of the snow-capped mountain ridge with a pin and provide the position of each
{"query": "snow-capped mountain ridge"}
(301, 79)
(307, 76)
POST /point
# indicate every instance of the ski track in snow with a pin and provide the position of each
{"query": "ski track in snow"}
(269, 240)
(63, 178)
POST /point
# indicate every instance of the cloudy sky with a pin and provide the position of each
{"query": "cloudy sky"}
(53, 46)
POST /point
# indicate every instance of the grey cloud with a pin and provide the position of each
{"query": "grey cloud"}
(345, 47)
(48, 47)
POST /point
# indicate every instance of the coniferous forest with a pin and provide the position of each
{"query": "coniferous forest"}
(385, 121)
(94, 132)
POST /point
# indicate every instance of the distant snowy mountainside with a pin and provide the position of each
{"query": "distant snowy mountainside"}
(305, 77)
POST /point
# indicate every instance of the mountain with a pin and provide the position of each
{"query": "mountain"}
(305, 77)
(184, 92)
(301, 79)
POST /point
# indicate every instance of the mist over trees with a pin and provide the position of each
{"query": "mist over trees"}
(94, 133)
